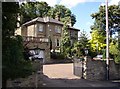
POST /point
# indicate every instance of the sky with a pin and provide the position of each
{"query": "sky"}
(82, 9)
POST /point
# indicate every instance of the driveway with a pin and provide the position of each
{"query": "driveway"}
(64, 71)
(61, 75)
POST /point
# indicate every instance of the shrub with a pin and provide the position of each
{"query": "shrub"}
(57, 55)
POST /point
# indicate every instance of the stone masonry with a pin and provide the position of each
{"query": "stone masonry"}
(33, 80)
(96, 69)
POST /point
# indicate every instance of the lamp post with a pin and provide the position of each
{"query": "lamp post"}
(107, 42)
(86, 51)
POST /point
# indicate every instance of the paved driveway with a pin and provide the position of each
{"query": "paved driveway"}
(64, 71)
(61, 75)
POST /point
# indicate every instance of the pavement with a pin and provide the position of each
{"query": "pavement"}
(61, 75)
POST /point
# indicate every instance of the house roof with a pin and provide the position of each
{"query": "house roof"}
(47, 20)
(74, 28)
(44, 20)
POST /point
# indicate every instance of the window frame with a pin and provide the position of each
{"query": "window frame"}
(57, 42)
(57, 29)
(40, 28)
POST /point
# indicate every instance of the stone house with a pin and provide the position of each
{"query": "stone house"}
(43, 33)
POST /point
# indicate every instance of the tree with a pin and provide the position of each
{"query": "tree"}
(13, 63)
(114, 51)
(113, 18)
(65, 41)
(83, 39)
(97, 41)
(61, 12)
(80, 45)
(32, 10)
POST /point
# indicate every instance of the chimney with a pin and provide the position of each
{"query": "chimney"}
(57, 17)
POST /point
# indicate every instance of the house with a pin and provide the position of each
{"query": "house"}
(44, 34)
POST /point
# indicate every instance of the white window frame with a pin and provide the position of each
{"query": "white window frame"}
(57, 29)
(40, 27)
(57, 42)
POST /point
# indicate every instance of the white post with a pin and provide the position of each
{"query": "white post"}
(107, 42)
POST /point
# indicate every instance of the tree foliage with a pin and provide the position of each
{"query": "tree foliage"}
(65, 41)
(80, 45)
(113, 24)
(62, 13)
(83, 39)
(13, 63)
(113, 18)
(32, 10)
(114, 50)
(97, 41)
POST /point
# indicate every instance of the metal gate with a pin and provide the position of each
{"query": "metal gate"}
(78, 67)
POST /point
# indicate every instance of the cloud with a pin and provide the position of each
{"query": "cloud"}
(71, 3)
(50, 2)
(111, 2)
(114, 2)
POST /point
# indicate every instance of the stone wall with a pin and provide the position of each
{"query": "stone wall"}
(96, 69)
(33, 80)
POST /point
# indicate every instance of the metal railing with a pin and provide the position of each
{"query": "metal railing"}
(35, 39)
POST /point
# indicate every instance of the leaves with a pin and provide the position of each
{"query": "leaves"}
(113, 18)
(97, 41)
(31, 10)
(114, 48)
(13, 63)
(80, 45)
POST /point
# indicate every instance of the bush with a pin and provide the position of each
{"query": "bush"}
(92, 53)
(56, 55)
(117, 59)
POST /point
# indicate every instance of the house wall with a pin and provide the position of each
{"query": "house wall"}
(43, 33)
(48, 32)
(51, 34)
(73, 34)
(24, 31)
(18, 31)
(31, 30)
(42, 45)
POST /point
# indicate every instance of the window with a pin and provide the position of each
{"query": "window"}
(40, 28)
(57, 41)
(71, 33)
(71, 42)
(57, 29)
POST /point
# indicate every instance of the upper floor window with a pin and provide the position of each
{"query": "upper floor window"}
(57, 29)
(71, 33)
(40, 28)
(57, 41)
